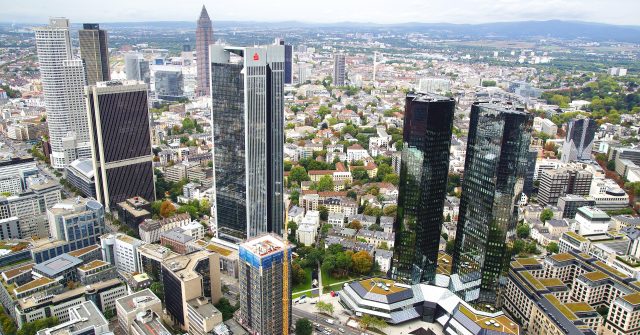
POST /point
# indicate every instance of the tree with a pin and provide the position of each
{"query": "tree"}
(367, 321)
(546, 215)
(392, 178)
(304, 327)
(362, 262)
(292, 226)
(390, 210)
(553, 248)
(298, 174)
(518, 247)
(324, 307)
(324, 212)
(158, 289)
(225, 307)
(523, 230)
(297, 273)
(450, 246)
(31, 328)
(167, 209)
(355, 224)
(325, 184)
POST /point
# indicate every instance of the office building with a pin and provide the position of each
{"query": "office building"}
(570, 203)
(247, 118)
(339, 70)
(122, 251)
(30, 208)
(137, 68)
(428, 123)
(495, 167)
(134, 211)
(14, 173)
(78, 221)
(80, 174)
(261, 284)
(204, 38)
(84, 319)
(532, 157)
(121, 138)
(94, 52)
(557, 183)
(579, 141)
(128, 307)
(169, 84)
(189, 277)
(434, 85)
(63, 81)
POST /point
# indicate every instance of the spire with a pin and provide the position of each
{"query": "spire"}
(203, 13)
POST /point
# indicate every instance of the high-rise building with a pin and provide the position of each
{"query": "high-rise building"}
(94, 53)
(288, 60)
(339, 70)
(557, 183)
(204, 38)
(494, 174)
(261, 284)
(579, 141)
(428, 123)
(137, 68)
(63, 80)
(121, 138)
(169, 84)
(247, 118)
(532, 157)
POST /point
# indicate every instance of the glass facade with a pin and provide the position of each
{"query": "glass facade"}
(248, 136)
(424, 170)
(579, 141)
(495, 169)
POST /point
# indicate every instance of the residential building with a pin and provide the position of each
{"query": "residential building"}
(204, 38)
(248, 140)
(63, 81)
(427, 130)
(176, 240)
(494, 172)
(94, 51)
(578, 143)
(339, 70)
(150, 230)
(121, 141)
(261, 284)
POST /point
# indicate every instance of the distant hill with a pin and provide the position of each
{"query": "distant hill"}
(597, 32)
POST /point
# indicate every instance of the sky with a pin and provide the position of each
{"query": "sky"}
(621, 12)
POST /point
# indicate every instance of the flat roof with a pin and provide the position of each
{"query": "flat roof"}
(220, 249)
(378, 285)
(130, 301)
(499, 323)
(58, 264)
(92, 265)
(264, 245)
(84, 251)
(17, 271)
(633, 298)
(34, 284)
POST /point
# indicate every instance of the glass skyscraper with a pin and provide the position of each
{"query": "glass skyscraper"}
(248, 139)
(494, 174)
(579, 141)
(94, 51)
(428, 122)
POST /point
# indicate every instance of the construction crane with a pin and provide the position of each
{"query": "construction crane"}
(285, 284)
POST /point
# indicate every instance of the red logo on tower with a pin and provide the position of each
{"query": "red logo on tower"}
(255, 56)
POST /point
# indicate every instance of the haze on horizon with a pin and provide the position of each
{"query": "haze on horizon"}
(619, 12)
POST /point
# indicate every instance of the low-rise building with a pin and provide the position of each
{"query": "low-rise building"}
(84, 319)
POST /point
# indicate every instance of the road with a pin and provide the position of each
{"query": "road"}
(322, 320)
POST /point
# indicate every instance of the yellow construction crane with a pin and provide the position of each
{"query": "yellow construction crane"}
(285, 284)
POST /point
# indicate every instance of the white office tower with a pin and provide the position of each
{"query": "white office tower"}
(434, 85)
(63, 80)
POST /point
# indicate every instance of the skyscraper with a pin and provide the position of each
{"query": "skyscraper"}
(288, 60)
(204, 37)
(261, 284)
(427, 128)
(121, 138)
(247, 118)
(579, 141)
(63, 80)
(494, 173)
(339, 71)
(94, 53)
(169, 84)
(136, 68)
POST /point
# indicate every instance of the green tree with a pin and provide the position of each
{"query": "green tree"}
(450, 246)
(304, 327)
(390, 210)
(392, 178)
(325, 184)
(298, 174)
(298, 275)
(546, 215)
(325, 307)
(324, 212)
(367, 321)
(362, 262)
(523, 230)
(31, 328)
(225, 307)
(553, 248)
(158, 289)
(518, 247)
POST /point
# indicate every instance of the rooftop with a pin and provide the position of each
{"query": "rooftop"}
(264, 245)
(17, 271)
(499, 323)
(633, 298)
(34, 284)
(92, 265)
(84, 251)
(56, 265)
(130, 302)
(381, 286)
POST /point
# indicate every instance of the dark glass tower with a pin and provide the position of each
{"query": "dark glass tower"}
(121, 141)
(94, 52)
(428, 122)
(247, 118)
(579, 141)
(494, 174)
